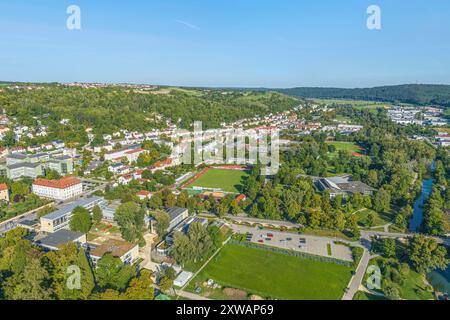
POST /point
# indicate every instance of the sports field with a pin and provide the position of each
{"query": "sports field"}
(274, 275)
(227, 180)
(345, 146)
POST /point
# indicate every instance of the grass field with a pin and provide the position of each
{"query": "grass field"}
(273, 275)
(379, 218)
(366, 296)
(345, 146)
(227, 180)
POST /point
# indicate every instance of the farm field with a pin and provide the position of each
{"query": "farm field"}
(272, 275)
(227, 180)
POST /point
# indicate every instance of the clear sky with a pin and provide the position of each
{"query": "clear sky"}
(273, 43)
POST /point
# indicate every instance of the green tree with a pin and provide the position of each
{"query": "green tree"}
(388, 247)
(382, 201)
(426, 254)
(130, 218)
(97, 214)
(81, 220)
(31, 284)
(140, 288)
(111, 273)
(162, 223)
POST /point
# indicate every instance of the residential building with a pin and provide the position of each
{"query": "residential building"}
(22, 170)
(19, 165)
(127, 252)
(144, 194)
(4, 193)
(62, 189)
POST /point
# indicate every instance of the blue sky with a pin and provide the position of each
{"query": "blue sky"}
(272, 43)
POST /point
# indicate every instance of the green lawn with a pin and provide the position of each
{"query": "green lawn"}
(366, 296)
(346, 146)
(273, 275)
(380, 219)
(227, 180)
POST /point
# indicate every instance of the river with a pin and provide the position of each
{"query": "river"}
(417, 218)
(427, 186)
(439, 279)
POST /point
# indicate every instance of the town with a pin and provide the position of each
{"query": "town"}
(134, 196)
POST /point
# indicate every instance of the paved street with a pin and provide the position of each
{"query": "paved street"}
(357, 279)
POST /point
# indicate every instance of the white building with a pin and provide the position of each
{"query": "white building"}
(63, 189)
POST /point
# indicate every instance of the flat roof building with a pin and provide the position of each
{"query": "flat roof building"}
(127, 252)
(55, 240)
(60, 219)
(343, 186)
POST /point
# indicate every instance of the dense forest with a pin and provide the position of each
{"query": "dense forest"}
(420, 94)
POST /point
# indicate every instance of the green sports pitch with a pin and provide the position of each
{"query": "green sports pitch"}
(274, 275)
(226, 180)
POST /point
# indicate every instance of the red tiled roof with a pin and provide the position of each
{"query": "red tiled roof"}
(240, 198)
(134, 151)
(3, 187)
(143, 193)
(58, 184)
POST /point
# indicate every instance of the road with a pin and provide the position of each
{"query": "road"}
(356, 280)
(368, 234)
(31, 215)
(190, 296)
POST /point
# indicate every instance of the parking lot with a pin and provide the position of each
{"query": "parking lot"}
(296, 242)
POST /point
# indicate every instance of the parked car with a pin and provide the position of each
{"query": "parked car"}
(261, 241)
(270, 235)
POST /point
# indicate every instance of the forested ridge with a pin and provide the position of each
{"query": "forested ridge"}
(420, 94)
(113, 108)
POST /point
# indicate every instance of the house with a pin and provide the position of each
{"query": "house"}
(133, 155)
(116, 168)
(4, 192)
(60, 219)
(62, 189)
(344, 186)
(125, 180)
(127, 252)
(54, 241)
(4, 152)
(240, 198)
(105, 147)
(58, 144)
